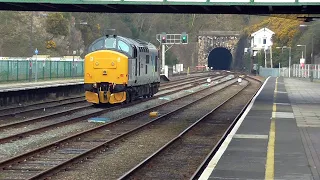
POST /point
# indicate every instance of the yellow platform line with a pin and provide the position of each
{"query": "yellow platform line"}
(269, 174)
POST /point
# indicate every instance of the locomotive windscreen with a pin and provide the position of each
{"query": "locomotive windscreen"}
(116, 44)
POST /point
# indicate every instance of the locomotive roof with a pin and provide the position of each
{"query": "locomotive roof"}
(140, 43)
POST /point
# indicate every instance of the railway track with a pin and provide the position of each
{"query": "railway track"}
(12, 111)
(186, 155)
(72, 149)
(51, 118)
(9, 112)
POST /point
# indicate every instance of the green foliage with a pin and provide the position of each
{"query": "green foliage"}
(171, 59)
(285, 27)
(288, 33)
(309, 34)
(57, 25)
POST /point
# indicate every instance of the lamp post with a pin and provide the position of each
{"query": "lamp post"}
(285, 47)
(312, 56)
(305, 50)
(305, 53)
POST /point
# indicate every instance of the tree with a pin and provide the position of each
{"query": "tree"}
(286, 29)
(57, 25)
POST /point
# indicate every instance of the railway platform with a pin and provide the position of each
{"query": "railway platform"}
(39, 85)
(19, 93)
(277, 137)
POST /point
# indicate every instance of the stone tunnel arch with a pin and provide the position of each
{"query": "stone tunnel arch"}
(220, 58)
(223, 41)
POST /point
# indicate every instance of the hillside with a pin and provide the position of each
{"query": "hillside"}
(59, 34)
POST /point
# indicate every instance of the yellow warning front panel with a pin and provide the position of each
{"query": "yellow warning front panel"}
(106, 66)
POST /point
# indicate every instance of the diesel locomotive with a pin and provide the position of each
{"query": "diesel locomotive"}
(120, 69)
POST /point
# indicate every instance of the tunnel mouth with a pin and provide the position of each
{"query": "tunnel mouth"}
(220, 58)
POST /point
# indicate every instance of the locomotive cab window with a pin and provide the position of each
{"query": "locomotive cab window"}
(97, 46)
(123, 46)
(110, 43)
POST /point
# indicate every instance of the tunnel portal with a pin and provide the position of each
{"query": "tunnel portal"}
(220, 58)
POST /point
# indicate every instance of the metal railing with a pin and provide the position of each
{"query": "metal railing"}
(309, 70)
(25, 70)
(306, 71)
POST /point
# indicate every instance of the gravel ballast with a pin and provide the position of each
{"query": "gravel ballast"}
(17, 147)
(121, 157)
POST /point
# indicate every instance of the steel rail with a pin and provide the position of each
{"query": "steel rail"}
(102, 145)
(58, 114)
(42, 103)
(166, 86)
(22, 157)
(175, 139)
(61, 113)
(206, 161)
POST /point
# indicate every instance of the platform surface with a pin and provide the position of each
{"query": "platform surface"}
(40, 84)
(278, 137)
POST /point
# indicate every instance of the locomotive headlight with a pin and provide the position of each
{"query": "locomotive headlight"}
(95, 85)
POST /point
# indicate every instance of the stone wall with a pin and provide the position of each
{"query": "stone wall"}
(208, 40)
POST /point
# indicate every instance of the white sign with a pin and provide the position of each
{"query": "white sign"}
(179, 67)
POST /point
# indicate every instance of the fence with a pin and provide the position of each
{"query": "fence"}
(295, 71)
(306, 71)
(265, 72)
(25, 70)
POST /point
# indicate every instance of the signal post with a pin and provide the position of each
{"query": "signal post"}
(167, 41)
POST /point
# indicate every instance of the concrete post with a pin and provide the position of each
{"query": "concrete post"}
(289, 61)
(265, 58)
(163, 56)
(36, 72)
(271, 63)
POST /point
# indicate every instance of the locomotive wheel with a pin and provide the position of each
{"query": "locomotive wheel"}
(151, 92)
(128, 97)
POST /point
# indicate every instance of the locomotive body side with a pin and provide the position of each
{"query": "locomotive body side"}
(119, 69)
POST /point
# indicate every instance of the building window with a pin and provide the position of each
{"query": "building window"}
(146, 69)
(264, 41)
(147, 59)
